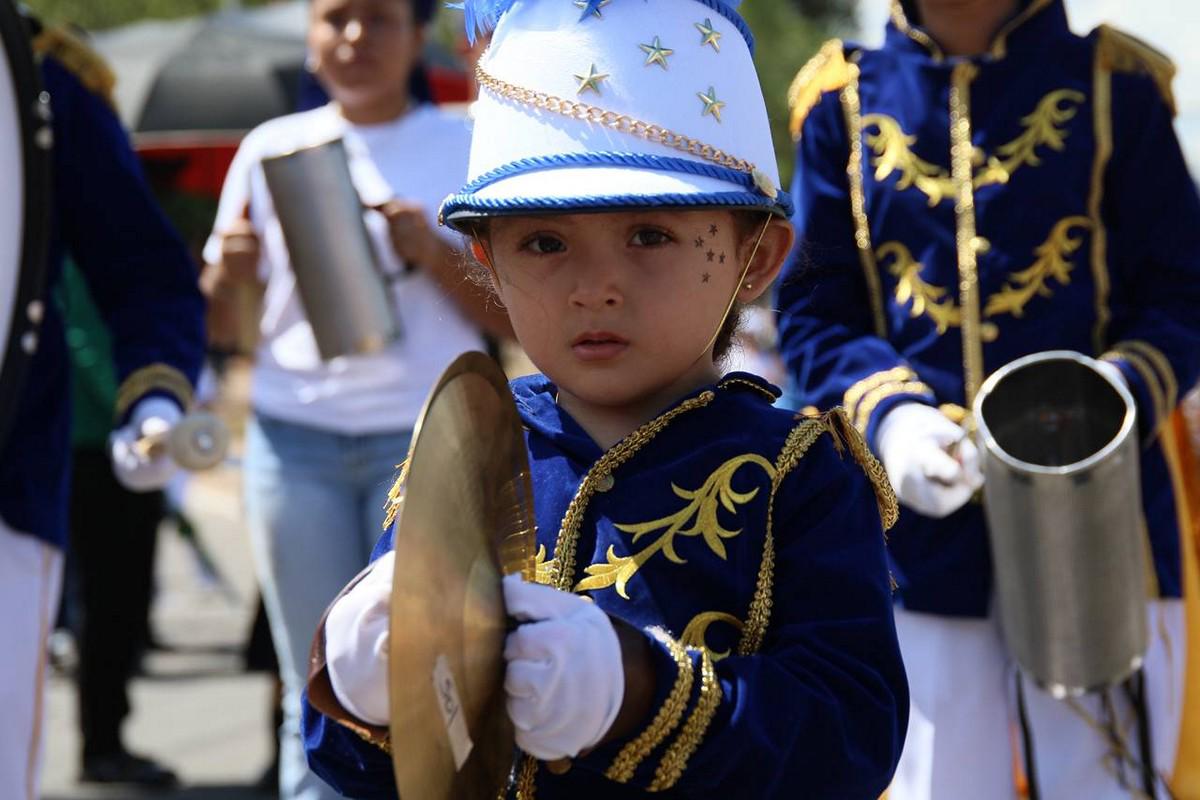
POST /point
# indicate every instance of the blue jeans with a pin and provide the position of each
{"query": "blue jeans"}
(315, 507)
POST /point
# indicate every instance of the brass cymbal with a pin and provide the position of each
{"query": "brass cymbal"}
(466, 520)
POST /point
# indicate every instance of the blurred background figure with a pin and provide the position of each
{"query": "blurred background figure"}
(326, 436)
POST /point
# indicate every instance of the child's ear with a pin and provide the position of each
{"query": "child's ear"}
(777, 241)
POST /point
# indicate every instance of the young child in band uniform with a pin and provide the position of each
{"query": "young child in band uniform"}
(739, 640)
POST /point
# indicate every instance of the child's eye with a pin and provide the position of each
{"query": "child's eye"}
(544, 244)
(650, 237)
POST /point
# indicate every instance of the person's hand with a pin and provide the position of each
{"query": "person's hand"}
(414, 241)
(139, 465)
(932, 464)
(566, 679)
(356, 644)
(240, 250)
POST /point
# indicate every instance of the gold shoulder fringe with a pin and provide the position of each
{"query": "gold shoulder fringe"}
(827, 71)
(396, 496)
(846, 437)
(1117, 51)
(78, 56)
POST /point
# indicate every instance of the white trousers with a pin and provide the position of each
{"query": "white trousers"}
(30, 583)
(963, 733)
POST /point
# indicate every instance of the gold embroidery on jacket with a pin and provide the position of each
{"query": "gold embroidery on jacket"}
(694, 633)
(929, 300)
(675, 760)
(700, 511)
(1043, 127)
(1052, 263)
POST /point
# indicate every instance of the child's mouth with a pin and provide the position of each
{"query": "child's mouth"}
(598, 346)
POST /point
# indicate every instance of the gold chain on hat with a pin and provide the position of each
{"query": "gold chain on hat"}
(625, 124)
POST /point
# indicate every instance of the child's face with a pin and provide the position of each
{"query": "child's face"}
(618, 307)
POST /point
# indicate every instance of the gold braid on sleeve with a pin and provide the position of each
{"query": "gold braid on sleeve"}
(153, 378)
(675, 760)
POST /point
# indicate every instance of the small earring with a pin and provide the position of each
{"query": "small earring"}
(749, 285)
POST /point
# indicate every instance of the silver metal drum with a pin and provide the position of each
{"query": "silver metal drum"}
(26, 138)
(342, 288)
(1063, 501)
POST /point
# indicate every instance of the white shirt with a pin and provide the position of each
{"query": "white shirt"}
(421, 157)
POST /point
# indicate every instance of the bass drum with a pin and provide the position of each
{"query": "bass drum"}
(26, 138)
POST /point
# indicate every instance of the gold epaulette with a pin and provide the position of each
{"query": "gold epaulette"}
(78, 57)
(846, 437)
(827, 71)
(1117, 51)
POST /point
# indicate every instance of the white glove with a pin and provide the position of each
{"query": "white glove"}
(565, 679)
(932, 464)
(136, 470)
(356, 644)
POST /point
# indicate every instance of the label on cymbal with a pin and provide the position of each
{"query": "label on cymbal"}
(452, 712)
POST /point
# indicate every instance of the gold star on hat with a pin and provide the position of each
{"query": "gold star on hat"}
(709, 34)
(593, 6)
(590, 81)
(711, 104)
(656, 53)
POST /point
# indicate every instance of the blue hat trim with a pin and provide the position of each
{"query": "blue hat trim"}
(481, 16)
(466, 205)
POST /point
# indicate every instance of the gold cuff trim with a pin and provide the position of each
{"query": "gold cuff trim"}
(857, 391)
(665, 721)
(862, 414)
(526, 785)
(152, 378)
(1162, 366)
(675, 760)
(1149, 377)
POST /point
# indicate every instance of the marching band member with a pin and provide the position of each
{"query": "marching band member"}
(985, 186)
(716, 614)
(143, 281)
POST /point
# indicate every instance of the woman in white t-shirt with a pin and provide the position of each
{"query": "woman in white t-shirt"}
(325, 437)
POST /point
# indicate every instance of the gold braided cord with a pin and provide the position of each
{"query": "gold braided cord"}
(395, 497)
(568, 534)
(1102, 124)
(1165, 371)
(844, 434)
(961, 152)
(745, 384)
(798, 442)
(675, 760)
(852, 111)
(153, 378)
(862, 414)
(526, 787)
(859, 389)
(1149, 377)
(611, 119)
(665, 721)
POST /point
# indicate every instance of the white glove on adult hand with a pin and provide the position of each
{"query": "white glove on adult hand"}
(565, 679)
(356, 644)
(932, 464)
(136, 470)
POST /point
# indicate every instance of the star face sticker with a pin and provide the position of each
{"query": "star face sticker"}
(722, 258)
(711, 255)
(656, 53)
(704, 278)
(699, 242)
(711, 104)
(709, 34)
(712, 229)
(591, 7)
(590, 81)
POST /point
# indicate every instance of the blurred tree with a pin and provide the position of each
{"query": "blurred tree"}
(99, 14)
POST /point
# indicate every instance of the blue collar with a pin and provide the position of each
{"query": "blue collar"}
(1026, 32)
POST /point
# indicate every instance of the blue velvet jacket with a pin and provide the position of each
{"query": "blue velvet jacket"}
(752, 540)
(1067, 212)
(140, 276)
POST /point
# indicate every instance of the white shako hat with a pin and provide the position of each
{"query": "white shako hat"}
(595, 105)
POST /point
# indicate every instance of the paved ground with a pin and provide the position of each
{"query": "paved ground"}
(195, 709)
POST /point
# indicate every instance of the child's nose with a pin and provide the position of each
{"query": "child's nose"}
(597, 286)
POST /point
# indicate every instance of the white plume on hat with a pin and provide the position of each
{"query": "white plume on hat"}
(601, 104)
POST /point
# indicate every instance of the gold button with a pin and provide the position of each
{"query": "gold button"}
(980, 245)
(605, 483)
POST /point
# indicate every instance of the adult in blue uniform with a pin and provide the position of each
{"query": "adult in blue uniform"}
(144, 283)
(984, 186)
(738, 641)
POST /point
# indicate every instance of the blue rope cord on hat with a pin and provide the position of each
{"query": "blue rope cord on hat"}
(471, 203)
(634, 160)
